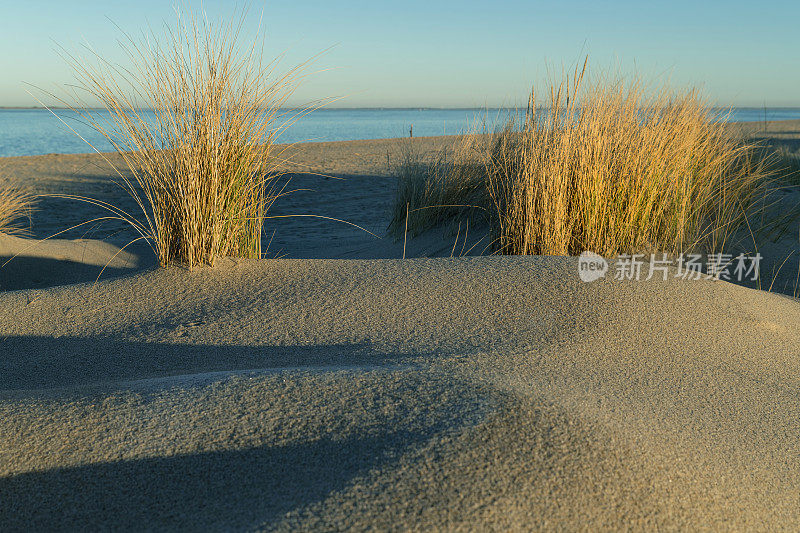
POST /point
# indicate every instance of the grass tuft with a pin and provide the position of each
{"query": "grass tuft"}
(203, 169)
(429, 192)
(608, 167)
(15, 207)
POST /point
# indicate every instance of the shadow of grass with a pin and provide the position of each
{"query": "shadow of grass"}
(24, 272)
(220, 490)
(34, 362)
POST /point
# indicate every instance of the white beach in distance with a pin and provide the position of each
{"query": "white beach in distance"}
(344, 387)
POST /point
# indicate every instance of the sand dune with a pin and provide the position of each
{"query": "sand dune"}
(417, 393)
(425, 393)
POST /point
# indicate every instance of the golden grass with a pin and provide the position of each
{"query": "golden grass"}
(613, 168)
(203, 170)
(15, 206)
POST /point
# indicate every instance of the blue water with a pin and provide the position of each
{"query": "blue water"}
(37, 131)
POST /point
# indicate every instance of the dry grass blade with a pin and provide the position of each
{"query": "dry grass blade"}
(195, 119)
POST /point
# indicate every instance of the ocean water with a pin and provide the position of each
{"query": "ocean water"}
(38, 131)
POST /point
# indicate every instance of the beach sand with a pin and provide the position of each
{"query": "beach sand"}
(343, 387)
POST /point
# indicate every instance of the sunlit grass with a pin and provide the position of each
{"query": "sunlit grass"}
(202, 166)
(609, 166)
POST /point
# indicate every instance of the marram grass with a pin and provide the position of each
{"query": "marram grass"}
(450, 185)
(15, 208)
(608, 167)
(202, 172)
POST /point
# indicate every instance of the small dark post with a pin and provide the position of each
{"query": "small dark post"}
(765, 116)
(411, 131)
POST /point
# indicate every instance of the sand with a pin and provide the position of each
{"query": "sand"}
(343, 387)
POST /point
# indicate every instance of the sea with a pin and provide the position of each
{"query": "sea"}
(41, 131)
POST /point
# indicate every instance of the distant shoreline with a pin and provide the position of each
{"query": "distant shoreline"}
(29, 132)
(777, 129)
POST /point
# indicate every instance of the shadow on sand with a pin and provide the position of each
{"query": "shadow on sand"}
(210, 490)
(24, 272)
(34, 362)
(237, 489)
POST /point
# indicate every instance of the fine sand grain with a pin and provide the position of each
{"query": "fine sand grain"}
(316, 392)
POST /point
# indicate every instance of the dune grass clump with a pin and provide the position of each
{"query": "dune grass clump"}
(787, 163)
(195, 119)
(15, 208)
(614, 168)
(451, 185)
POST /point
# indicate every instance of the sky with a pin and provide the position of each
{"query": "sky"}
(447, 53)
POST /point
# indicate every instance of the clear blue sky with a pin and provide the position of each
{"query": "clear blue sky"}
(450, 53)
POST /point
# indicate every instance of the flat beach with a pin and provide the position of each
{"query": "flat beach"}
(354, 380)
